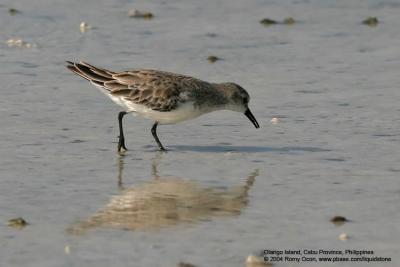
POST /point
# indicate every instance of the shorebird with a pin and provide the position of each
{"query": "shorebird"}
(163, 97)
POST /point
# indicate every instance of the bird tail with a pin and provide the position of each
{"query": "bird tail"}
(95, 75)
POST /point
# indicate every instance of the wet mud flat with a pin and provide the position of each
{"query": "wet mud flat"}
(321, 172)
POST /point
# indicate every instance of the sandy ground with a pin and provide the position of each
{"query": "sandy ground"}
(224, 190)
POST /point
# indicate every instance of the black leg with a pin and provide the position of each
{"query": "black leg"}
(121, 141)
(154, 133)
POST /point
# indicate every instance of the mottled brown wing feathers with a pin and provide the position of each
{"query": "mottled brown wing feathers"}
(154, 89)
(99, 71)
(127, 78)
(114, 86)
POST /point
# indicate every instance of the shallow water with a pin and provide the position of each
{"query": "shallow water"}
(224, 190)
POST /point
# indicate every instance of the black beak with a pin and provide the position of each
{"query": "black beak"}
(251, 117)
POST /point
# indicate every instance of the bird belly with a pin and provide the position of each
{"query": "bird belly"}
(119, 100)
(184, 112)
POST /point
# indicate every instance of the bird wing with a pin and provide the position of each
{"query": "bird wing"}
(157, 90)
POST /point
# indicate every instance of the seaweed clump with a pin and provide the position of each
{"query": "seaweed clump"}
(371, 21)
(134, 13)
(13, 11)
(268, 22)
(17, 222)
(213, 59)
(339, 220)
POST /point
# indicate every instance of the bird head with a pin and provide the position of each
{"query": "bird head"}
(238, 100)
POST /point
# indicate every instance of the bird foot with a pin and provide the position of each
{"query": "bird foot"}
(121, 144)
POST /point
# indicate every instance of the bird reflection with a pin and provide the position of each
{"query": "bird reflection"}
(166, 201)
